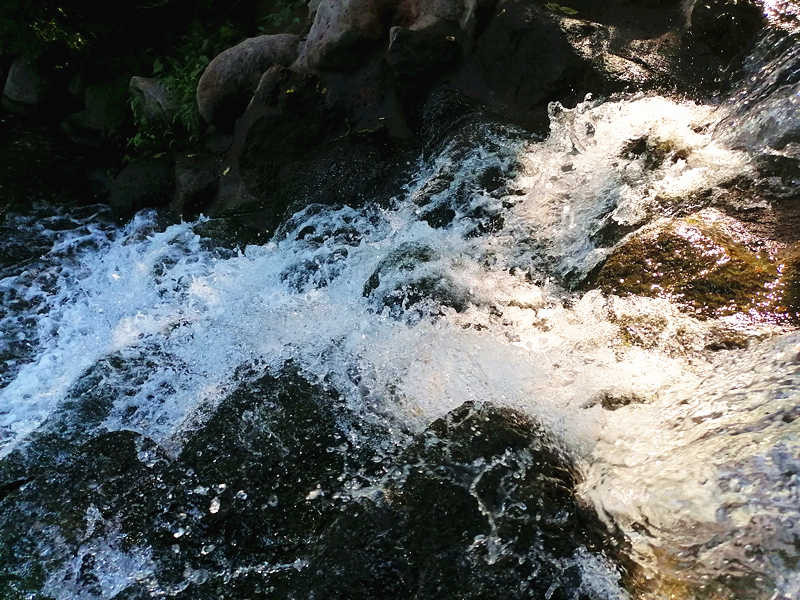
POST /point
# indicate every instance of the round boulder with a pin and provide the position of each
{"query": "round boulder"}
(229, 81)
(24, 86)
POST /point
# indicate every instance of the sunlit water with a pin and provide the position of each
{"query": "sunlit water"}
(408, 321)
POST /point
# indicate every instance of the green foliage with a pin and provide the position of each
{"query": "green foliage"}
(180, 73)
(30, 27)
(554, 7)
(283, 16)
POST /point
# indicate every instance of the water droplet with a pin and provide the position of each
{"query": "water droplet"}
(213, 508)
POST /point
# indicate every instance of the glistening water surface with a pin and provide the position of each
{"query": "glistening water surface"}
(467, 287)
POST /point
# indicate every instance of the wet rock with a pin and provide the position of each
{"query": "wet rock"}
(482, 506)
(228, 83)
(727, 27)
(702, 263)
(439, 217)
(342, 33)
(408, 285)
(521, 60)
(250, 487)
(24, 86)
(95, 482)
(653, 151)
(151, 100)
(143, 183)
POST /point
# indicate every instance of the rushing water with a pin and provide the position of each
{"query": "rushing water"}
(460, 289)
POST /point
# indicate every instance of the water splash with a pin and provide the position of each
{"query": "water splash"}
(460, 290)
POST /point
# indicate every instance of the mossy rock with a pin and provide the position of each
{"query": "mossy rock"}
(700, 263)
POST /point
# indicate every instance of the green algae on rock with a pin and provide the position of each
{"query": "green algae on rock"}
(702, 263)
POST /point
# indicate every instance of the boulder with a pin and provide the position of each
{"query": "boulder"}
(143, 183)
(228, 83)
(522, 60)
(24, 86)
(424, 49)
(341, 33)
(481, 504)
(704, 263)
(727, 27)
(151, 99)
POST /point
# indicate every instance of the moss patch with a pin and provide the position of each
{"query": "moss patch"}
(700, 264)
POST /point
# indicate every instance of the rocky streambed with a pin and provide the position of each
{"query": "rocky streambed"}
(418, 318)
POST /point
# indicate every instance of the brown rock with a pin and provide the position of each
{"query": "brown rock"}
(341, 31)
(228, 83)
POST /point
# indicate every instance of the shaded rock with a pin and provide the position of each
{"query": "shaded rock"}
(520, 61)
(341, 33)
(143, 183)
(727, 27)
(228, 83)
(292, 149)
(702, 263)
(720, 34)
(152, 101)
(24, 86)
(106, 110)
(483, 507)
(423, 50)
(791, 280)
(196, 183)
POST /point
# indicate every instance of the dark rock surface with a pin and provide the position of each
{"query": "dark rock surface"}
(264, 497)
(24, 86)
(143, 183)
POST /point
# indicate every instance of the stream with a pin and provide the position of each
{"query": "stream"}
(473, 285)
